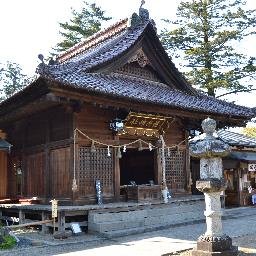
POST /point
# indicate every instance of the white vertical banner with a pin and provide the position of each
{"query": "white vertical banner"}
(54, 208)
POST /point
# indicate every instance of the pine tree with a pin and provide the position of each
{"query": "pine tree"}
(206, 34)
(12, 79)
(83, 24)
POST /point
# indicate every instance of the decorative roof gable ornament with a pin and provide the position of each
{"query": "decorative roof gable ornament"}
(143, 13)
(140, 57)
(136, 19)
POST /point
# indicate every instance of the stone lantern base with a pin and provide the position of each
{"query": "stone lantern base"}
(219, 245)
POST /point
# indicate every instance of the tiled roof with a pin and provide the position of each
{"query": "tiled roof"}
(82, 60)
(100, 53)
(93, 40)
(236, 139)
(136, 89)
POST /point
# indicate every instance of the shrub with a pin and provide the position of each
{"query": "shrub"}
(8, 242)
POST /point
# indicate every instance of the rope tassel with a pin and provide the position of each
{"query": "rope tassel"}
(109, 151)
(119, 154)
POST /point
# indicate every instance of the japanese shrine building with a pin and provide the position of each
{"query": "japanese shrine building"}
(119, 76)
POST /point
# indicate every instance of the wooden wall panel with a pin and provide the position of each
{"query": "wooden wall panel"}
(12, 184)
(94, 121)
(35, 131)
(174, 134)
(3, 174)
(60, 123)
(48, 126)
(60, 173)
(35, 170)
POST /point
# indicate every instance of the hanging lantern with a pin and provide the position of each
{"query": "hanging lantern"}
(140, 146)
(119, 154)
(93, 148)
(150, 147)
(109, 151)
(124, 149)
(116, 125)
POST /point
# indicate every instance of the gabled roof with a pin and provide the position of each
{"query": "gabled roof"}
(90, 66)
(236, 139)
(113, 47)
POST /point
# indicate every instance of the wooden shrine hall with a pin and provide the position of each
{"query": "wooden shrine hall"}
(112, 109)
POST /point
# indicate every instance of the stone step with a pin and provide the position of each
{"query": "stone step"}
(113, 226)
(124, 232)
(124, 215)
(143, 229)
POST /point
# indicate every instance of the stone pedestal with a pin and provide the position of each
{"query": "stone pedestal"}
(210, 151)
(208, 246)
(213, 242)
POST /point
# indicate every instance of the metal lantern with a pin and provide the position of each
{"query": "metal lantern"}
(116, 125)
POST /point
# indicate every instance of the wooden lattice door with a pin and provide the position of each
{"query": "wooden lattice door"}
(95, 166)
(175, 169)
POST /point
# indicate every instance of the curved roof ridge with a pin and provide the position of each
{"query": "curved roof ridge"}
(93, 40)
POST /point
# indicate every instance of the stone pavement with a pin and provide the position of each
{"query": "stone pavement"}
(238, 223)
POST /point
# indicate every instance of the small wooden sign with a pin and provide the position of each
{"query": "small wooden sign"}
(252, 167)
(54, 208)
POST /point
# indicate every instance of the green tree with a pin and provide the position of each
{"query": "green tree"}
(12, 79)
(83, 24)
(250, 131)
(207, 34)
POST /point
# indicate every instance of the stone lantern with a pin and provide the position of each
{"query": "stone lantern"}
(210, 150)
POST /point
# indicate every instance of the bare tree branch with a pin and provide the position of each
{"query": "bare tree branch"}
(236, 91)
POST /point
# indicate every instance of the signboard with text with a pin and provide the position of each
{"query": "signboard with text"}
(145, 124)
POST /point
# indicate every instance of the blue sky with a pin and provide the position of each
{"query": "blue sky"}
(30, 27)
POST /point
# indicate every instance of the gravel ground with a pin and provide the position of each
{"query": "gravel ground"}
(169, 241)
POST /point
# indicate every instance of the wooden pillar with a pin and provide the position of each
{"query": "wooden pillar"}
(61, 221)
(47, 174)
(3, 174)
(187, 170)
(74, 151)
(45, 228)
(21, 217)
(116, 176)
(159, 176)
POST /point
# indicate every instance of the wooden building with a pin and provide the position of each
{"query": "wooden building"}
(239, 168)
(121, 73)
